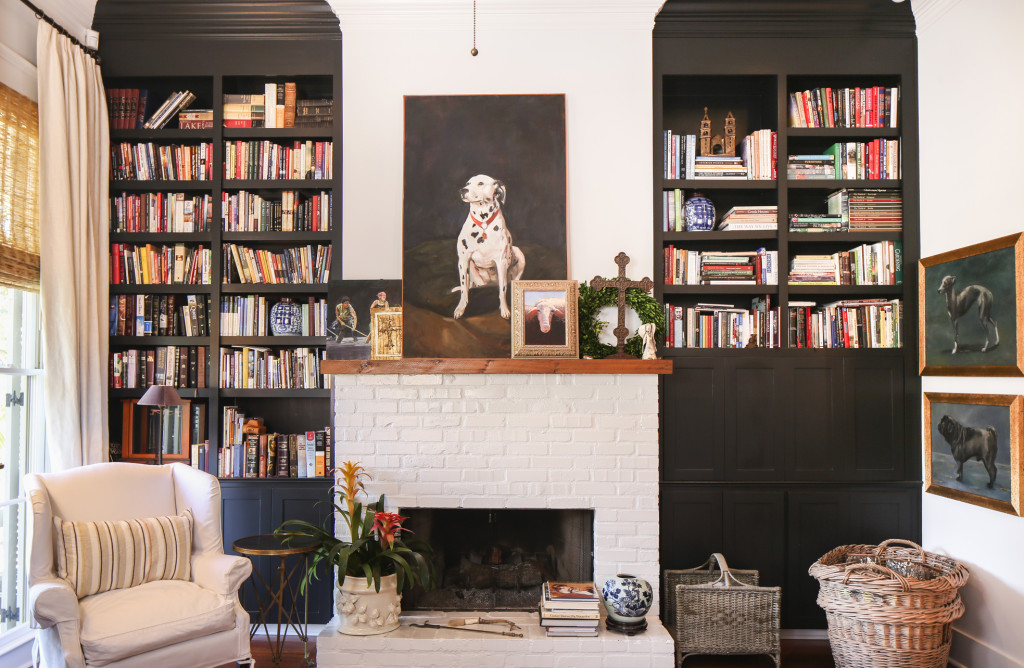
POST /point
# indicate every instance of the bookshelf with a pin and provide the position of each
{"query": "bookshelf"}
(228, 50)
(775, 455)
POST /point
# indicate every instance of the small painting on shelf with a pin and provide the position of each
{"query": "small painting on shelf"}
(973, 449)
(484, 205)
(971, 310)
(351, 306)
(545, 319)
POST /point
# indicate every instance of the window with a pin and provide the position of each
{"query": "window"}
(21, 416)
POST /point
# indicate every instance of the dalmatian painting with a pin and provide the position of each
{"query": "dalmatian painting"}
(973, 445)
(484, 205)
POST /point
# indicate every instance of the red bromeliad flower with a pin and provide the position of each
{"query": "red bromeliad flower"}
(387, 527)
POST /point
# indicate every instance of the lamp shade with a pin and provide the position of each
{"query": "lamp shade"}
(161, 395)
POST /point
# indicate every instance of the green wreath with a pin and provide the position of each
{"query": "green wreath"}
(591, 301)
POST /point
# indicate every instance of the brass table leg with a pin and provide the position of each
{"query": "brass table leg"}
(286, 616)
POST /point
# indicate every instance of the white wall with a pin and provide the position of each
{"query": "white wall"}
(971, 61)
(18, 48)
(596, 52)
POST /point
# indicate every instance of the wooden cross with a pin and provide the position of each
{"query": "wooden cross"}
(620, 284)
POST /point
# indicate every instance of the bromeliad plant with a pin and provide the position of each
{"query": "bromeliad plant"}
(377, 544)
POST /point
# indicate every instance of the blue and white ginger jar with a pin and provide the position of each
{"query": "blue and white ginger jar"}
(699, 213)
(286, 318)
(627, 598)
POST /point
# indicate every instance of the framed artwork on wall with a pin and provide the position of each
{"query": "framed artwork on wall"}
(351, 309)
(484, 205)
(972, 310)
(545, 319)
(973, 449)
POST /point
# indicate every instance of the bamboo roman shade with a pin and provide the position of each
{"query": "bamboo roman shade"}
(19, 191)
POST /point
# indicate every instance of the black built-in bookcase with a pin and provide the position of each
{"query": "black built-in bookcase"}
(214, 48)
(775, 456)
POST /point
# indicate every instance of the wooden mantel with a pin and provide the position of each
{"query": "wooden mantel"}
(430, 365)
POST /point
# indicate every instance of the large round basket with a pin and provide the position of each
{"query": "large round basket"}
(889, 605)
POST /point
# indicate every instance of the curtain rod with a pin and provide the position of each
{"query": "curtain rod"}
(40, 14)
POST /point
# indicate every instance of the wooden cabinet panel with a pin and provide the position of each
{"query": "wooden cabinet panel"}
(693, 405)
(817, 523)
(814, 449)
(875, 399)
(755, 420)
(311, 503)
(691, 525)
(755, 532)
(878, 514)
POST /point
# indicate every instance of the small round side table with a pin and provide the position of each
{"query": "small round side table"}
(278, 590)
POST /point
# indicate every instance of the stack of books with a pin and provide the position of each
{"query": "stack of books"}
(195, 119)
(874, 107)
(678, 156)
(570, 609)
(244, 111)
(868, 208)
(817, 222)
(723, 325)
(318, 113)
(851, 323)
(879, 263)
(816, 269)
(686, 267)
(759, 149)
(811, 167)
(876, 159)
(718, 167)
(754, 217)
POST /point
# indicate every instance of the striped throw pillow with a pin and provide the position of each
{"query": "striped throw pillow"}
(100, 556)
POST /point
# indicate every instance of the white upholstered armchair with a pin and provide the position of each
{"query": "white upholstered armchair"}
(185, 612)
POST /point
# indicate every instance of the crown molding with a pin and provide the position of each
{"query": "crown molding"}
(443, 15)
(18, 73)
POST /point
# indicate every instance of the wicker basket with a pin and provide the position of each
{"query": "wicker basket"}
(877, 616)
(716, 612)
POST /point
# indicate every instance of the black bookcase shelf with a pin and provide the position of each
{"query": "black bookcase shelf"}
(161, 289)
(715, 235)
(297, 238)
(273, 288)
(143, 238)
(157, 185)
(162, 135)
(278, 133)
(775, 456)
(279, 184)
(149, 341)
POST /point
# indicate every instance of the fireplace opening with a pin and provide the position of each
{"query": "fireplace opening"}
(497, 559)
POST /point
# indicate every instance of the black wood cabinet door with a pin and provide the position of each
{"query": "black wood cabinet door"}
(876, 449)
(755, 419)
(310, 502)
(245, 511)
(814, 447)
(754, 528)
(693, 408)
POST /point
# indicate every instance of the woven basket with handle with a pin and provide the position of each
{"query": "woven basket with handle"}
(725, 615)
(877, 616)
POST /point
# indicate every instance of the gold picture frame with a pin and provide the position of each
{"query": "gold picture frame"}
(961, 430)
(386, 333)
(545, 319)
(983, 285)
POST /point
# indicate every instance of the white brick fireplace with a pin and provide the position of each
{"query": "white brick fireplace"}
(575, 441)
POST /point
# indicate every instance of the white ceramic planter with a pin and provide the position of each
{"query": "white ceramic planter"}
(362, 611)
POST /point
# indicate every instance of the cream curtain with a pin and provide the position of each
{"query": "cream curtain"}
(73, 192)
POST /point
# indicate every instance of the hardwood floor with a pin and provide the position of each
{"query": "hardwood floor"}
(795, 654)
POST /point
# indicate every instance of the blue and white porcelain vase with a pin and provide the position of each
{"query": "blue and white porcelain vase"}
(286, 318)
(699, 213)
(627, 598)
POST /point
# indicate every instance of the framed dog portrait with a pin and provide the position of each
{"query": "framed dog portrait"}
(545, 319)
(971, 310)
(484, 205)
(973, 449)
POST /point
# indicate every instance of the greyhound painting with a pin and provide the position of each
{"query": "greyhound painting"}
(958, 303)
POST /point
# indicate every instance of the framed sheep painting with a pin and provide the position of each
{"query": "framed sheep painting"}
(545, 319)
(971, 313)
(973, 449)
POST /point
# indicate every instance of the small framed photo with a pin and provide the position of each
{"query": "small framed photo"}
(386, 333)
(545, 319)
(971, 303)
(973, 449)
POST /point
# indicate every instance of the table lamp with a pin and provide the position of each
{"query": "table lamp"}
(162, 396)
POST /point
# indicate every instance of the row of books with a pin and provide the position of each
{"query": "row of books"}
(855, 323)
(723, 325)
(268, 160)
(873, 160)
(317, 113)
(569, 609)
(160, 265)
(248, 212)
(127, 108)
(683, 267)
(146, 161)
(146, 430)
(825, 107)
(159, 315)
(176, 102)
(249, 315)
(160, 212)
(254, 368)
(756, 161)
(817, 222)
(750, 217)
(303, 455)
(868, 208)
(180, 366)
(303, 264)
(880, 263)
(195, 119)
(277, 107)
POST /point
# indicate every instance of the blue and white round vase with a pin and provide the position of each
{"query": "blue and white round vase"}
(699, 213)
(286, 318)
(627, 598)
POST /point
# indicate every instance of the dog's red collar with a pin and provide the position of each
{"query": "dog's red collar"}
(483, 223)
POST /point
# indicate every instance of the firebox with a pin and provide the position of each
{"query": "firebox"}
(497, 559)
